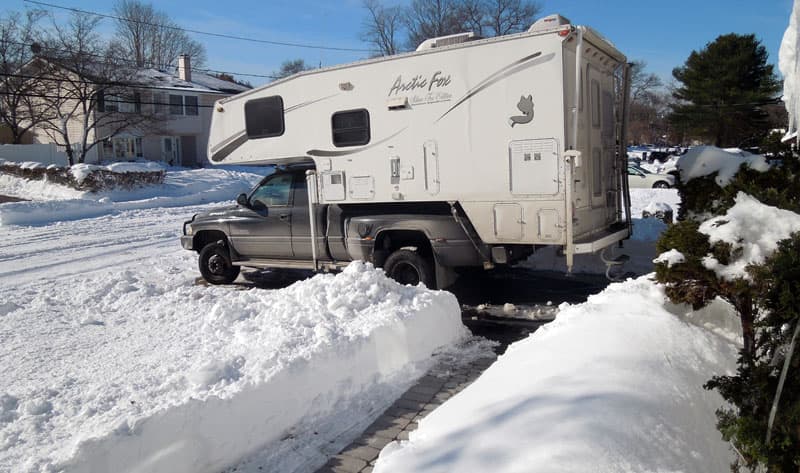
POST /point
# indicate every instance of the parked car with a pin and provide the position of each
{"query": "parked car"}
(642, 178)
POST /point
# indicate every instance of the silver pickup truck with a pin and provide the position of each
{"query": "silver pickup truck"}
(270, 227)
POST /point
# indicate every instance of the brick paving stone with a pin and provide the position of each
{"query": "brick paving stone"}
(403, 435)
(398, 412)
(362, 452)
(415, 396)
(409, 404)
(345, 464)
(374, 441)
(385, 421)
(368, 469)
(425, 389)
(389, 433)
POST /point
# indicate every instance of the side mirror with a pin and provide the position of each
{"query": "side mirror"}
(242, 200)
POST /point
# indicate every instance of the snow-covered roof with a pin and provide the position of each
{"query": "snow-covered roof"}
(200, 82)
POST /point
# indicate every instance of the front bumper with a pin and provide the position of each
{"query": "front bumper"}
(187, 242)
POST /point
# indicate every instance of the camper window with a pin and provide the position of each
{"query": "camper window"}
(264, 117)
(350, 128)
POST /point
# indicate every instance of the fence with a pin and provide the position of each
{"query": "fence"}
(39, 153)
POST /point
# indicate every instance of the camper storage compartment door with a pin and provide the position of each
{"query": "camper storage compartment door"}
(533, 167)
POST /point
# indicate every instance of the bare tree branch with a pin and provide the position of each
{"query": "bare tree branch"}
(149, 38)
(382, 26)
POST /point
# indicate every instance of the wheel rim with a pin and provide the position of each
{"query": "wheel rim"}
(217, 264)
(406, 273)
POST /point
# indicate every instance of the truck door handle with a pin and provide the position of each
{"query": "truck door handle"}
(283, 217)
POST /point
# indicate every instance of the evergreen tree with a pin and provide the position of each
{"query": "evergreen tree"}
(722, 88)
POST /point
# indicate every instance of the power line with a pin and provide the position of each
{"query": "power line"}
(150, 65)
(187, 30)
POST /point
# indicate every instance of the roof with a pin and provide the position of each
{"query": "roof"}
(201, 83)
(154, 78)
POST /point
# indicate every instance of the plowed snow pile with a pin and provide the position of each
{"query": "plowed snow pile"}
(612, 385)
(136, 375)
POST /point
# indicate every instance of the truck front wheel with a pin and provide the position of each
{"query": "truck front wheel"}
(409, 267)
(215, 264)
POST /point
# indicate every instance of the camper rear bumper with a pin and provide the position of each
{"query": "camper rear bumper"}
(599, 241)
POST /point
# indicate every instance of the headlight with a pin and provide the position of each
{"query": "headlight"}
(187, 229)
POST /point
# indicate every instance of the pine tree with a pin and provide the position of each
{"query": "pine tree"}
(722, 88)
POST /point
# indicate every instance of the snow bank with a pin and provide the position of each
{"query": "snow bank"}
(753, 228)
(82, 171)
(704, 160)
(790, 67)
(145, 371)
(181, 187)
(614, 384)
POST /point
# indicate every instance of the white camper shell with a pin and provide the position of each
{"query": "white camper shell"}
(524, 132)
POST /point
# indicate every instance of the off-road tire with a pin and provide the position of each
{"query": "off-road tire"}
(215, 264)
(410, 267)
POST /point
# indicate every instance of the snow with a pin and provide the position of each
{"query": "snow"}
(671, 257)
(614, 384)
(181, 187)
(753, 229)
(115, 359)
(81, 171)
(704, 160)
(790, 66)
(143, 370)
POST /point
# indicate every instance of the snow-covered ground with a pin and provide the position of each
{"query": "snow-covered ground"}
(115, 359)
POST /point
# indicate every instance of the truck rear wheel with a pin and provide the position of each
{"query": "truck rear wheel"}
(215, 264)
(409, 267)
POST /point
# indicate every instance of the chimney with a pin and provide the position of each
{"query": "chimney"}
(184, 68)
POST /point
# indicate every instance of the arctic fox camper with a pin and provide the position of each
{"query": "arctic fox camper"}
(465, 152)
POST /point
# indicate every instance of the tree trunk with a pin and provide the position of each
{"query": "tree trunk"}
(744, 305)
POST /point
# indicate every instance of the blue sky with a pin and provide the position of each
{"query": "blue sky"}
(663, 33)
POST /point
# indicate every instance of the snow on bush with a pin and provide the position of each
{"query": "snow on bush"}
(704, 160)
(754, 230)
(670, 257)
(614, 384)
(147, 372)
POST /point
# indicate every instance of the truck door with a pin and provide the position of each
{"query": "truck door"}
(301, 226)
(264, 229)
(601, 141)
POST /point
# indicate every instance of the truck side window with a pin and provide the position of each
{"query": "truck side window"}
(273, 192)
(350, 128)
(264, 117)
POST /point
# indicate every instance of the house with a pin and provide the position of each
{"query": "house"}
(175, 111)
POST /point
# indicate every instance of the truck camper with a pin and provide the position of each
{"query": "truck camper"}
(465, 152)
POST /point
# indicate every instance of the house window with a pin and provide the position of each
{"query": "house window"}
(190, 104)
(176, 104)
(121, 103)
(182, 104)
(264, 117)
(350, 128)
(123, 147)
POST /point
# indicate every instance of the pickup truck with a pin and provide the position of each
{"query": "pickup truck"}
(270, 227)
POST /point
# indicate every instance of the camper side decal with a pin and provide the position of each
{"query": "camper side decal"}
(525, 106)
(429, 87)
(528, 61)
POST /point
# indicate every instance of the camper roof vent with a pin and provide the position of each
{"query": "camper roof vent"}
(447, 40)
(549, 22)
